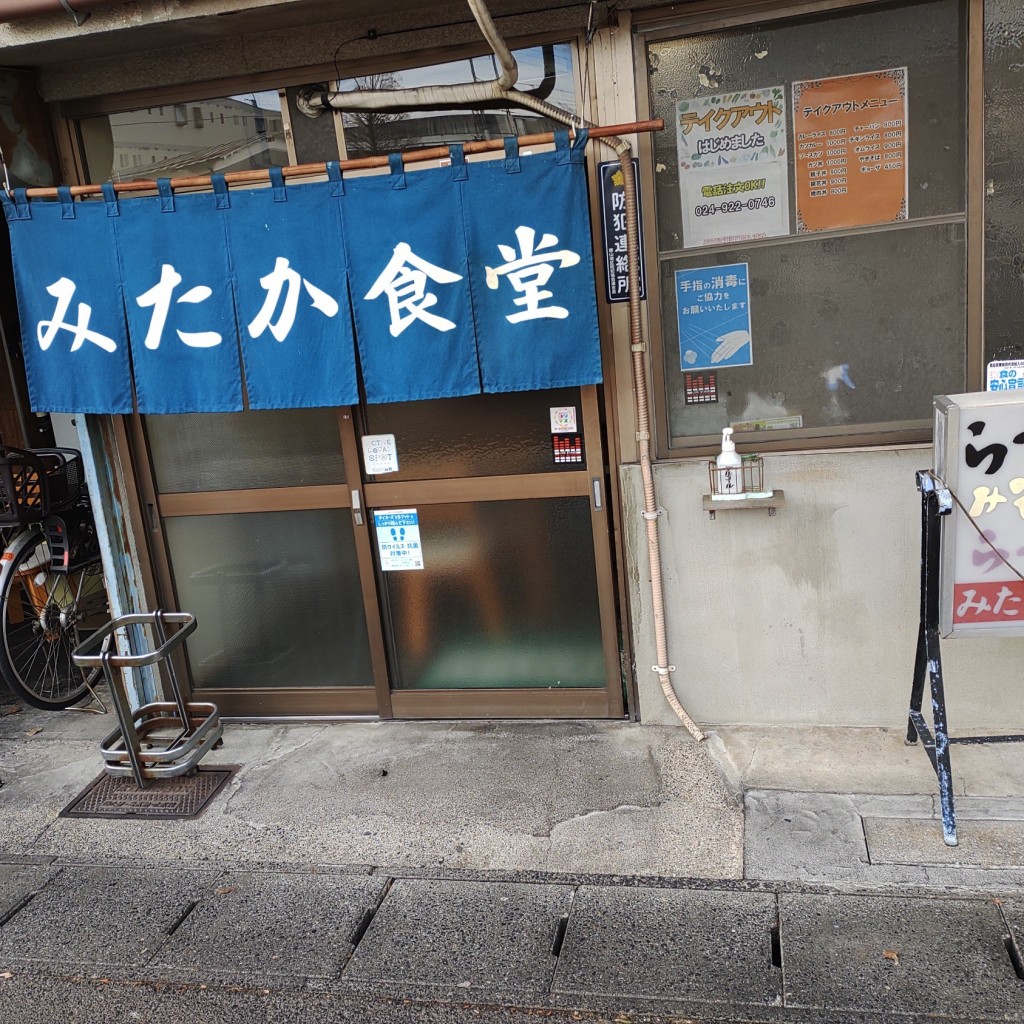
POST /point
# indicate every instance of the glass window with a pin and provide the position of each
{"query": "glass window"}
(479, 435)
(277, 597)
(494, 609)
(1004, 173)
(227, 451)
(851, 310)
(545, 71)
(182, 140)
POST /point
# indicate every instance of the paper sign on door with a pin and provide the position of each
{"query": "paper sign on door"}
(398, 539)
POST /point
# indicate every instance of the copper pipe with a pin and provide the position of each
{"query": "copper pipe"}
(360, 164)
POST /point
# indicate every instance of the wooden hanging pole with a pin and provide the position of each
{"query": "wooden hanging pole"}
(360, 164)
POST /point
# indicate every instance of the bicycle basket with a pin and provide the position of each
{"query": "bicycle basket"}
(64, 482)
(23, 487)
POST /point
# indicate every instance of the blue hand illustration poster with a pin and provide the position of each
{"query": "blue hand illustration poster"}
(713, 310)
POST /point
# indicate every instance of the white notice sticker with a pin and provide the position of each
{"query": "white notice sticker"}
(380, 454)
(398, 539)
(1005, 375)
(563, 419)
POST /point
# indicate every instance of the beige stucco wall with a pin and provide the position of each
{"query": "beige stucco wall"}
(809, 616)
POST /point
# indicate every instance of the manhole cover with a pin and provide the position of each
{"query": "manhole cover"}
(186, 796)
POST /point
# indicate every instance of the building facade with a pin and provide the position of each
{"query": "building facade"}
(833, 234)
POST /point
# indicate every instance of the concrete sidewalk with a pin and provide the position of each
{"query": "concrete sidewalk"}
(578, 797)
(837, 806)
(363, 871)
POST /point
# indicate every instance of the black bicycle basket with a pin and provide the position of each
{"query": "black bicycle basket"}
(35, 483)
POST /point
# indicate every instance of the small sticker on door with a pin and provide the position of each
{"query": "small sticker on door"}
(567, 447)
(563, 419)
(398, 539)
(380, 454)
(700, 388)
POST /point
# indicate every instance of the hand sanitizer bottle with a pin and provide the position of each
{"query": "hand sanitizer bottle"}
(729, 466)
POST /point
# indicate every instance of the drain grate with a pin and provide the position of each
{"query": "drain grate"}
(186, 796)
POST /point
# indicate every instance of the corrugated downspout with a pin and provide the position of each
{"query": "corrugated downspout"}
(78, 10)
(479, 93)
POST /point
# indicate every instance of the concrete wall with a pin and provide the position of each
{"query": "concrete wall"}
(809, 616)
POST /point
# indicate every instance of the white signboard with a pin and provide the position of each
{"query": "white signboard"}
(380, 454)
(733, 166)
(398, 539)
(979, 453)
(1005, 375)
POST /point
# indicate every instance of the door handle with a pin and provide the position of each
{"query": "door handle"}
(357, 507)
(598, 494)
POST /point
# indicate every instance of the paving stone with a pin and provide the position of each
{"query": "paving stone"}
(898, 955)
(272, 924)
(463, 935)
(18, 881)
(982, 844)
(100, 915)
(670, 944)
(27, 999)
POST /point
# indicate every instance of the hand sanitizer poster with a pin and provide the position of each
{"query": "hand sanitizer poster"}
(713, 310)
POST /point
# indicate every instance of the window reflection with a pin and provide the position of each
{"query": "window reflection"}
(544, 71)
(230, 133)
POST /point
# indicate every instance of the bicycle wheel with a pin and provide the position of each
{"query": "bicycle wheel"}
(44, 616)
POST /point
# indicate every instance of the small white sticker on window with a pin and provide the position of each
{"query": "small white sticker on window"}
(380, 454)
(563, 419)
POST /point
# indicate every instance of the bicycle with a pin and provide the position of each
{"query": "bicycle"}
(52, 593)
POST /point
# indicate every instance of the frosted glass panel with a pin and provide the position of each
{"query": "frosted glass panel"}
(924, 38)
(239, 450)
(507, 598)
(482, 435)
(853, 311)
(277, 597)
(848, 328)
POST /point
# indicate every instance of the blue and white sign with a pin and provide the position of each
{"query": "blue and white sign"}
(181, 317)
(1005, 375)
(531, 256)
(291, 294)
(71, 310)
(446, 281)
(713, 310)
(398, 539)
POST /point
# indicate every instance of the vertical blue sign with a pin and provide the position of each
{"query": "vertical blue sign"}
(408, 270)
(531, 255)
(181, 316)
(291, 294)
(713, 310)
(69, 301)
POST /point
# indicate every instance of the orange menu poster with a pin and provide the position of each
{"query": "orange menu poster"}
(851, 150)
